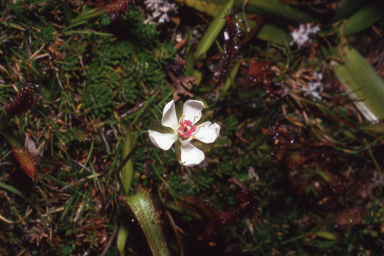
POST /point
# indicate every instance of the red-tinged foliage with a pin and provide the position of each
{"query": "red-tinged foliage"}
(25, 99)
(118, 7)
(194, 204)
(283, 139)
(345, 186)
(260, 74)
(245, 204)
(296, 160)
(25, 160)
(232, 34)
(350, 217)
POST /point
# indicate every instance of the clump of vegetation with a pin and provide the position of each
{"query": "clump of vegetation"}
(297, 167)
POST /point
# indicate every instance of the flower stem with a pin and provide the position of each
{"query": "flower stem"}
(126, 180)
(127, 170)
(127, 166)
(129, 156)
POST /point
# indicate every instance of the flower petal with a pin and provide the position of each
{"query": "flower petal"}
(162, 140)
(190, 155)
(192, 110)
(169, 116)
(207, 132)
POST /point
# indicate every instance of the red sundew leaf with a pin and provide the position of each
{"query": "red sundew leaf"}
(207, 211)
(259, 74)
(25, 99)
(245, 204)
(283, 139)
(22, 155)
(24, 159)
(297, 160)
(232, 35)
(350, 217)
(281, 152)
(260, 70)
(118, 7)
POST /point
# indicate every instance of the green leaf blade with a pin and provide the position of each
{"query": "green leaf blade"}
(363, 83)
(364, 17)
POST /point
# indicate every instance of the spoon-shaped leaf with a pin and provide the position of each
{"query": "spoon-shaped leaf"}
(142, 207)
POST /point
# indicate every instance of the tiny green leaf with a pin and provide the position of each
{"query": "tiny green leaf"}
(121, 239)
(160, 128)
(179, 109)
(326, 235)
(202, 146)
(178, 150)
(205, 114)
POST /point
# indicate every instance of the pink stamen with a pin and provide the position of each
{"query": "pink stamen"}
(186, 129)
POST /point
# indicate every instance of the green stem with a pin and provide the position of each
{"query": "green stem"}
(89, 156)
(127, 171)
(67, 14)
(128, 175)
(373, 157)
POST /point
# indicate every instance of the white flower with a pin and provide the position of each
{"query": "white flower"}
(188, 132)
(159, 9)
(314, 88)
(301, 35)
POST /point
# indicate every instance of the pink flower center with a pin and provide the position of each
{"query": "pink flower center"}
(186, 129)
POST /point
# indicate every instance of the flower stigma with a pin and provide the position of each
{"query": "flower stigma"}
(186, 129)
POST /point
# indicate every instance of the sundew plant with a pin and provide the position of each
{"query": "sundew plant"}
(200, 127)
